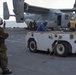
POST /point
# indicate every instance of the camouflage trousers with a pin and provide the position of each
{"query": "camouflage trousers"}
(3, 60)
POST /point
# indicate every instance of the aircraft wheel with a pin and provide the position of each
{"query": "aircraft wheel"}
(32, 45)
(62, 49)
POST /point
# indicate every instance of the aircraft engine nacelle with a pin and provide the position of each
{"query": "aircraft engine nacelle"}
(26, 6)
(18, 6)
(34, 9)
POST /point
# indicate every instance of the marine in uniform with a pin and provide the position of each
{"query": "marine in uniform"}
(3, 51)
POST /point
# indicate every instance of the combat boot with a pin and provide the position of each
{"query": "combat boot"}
(7, 71)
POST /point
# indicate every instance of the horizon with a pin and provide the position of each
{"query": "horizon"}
(13, 24)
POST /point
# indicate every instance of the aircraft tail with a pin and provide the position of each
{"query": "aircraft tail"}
(6, 13)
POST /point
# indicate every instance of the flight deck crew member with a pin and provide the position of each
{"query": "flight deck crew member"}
(42, 27)
(3, 49)
(4, 24)
(30, 25)
(34, 25)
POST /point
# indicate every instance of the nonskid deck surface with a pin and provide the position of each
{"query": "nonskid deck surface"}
(24, 62)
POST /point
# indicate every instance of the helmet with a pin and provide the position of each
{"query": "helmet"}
(1, 21)
(45, 22)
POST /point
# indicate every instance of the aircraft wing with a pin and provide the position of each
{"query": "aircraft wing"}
(68, 10)
(34, 9)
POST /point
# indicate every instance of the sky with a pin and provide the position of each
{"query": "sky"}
(57, 4)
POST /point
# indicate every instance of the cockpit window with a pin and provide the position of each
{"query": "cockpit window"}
(66, 17)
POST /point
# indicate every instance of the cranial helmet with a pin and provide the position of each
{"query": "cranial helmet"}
(1, 21)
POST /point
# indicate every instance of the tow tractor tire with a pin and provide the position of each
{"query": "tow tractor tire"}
(32, 45)
(62, 49)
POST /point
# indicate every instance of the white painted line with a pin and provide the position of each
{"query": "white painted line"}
(15, 41)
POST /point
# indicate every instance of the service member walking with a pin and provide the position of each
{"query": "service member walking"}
(3, 49)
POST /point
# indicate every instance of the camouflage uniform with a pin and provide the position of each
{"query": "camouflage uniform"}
(3, 48)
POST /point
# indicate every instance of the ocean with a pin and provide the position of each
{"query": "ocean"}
(13, 24)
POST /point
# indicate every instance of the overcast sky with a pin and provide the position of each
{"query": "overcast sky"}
(42, 3)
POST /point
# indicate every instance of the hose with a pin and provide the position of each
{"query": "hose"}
(56, 43)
